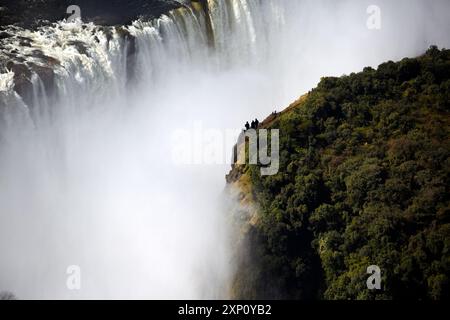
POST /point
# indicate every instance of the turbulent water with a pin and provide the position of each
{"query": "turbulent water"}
(87, 169)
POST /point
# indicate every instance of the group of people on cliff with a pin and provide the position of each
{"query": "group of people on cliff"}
(254, 125)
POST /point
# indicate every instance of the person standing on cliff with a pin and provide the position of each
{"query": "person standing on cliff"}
(256, 123)
(247, 126)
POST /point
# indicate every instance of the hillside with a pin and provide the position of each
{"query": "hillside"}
(364, 171)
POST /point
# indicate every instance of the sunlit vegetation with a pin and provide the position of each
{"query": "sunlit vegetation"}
(364, 180)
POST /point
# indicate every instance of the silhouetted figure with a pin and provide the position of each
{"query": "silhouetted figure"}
(247, 126)
(256, 123)
(253, 125)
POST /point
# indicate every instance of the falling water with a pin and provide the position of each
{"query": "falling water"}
(86, 176)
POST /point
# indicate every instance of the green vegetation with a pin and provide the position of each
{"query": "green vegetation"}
(363, 180)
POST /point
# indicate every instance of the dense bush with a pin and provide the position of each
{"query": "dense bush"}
(363, 180)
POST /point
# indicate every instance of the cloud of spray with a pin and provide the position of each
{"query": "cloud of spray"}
(95, 187)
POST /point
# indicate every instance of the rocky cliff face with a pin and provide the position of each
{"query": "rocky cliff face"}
(244, 214)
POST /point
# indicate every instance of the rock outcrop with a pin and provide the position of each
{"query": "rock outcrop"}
(32, 13)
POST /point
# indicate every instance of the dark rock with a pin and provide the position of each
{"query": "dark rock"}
(107, 32)
(24, 41)
(32, 13)
(131, 56)
(22, 80)
(47, 76)
(80, 46)
(49, 61)
(4, 35)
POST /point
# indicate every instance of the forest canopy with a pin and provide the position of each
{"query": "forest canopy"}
(364, 171)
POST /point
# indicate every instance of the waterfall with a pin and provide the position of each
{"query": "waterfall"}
(88, 59)
(86, 149)
(87, 114)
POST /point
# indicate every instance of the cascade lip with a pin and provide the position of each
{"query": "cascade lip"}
(18, 27)
(21, 15)
(32, 14)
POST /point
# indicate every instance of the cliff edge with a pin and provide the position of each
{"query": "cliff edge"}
(363, 180)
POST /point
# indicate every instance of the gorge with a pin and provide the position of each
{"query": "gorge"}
(87, 112)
